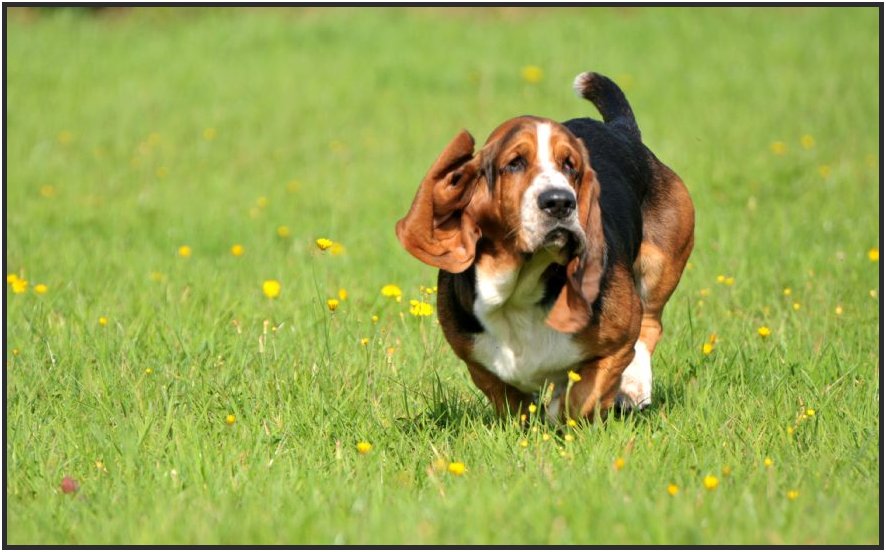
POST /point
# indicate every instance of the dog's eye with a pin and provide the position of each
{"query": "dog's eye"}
(569, 168)
(516, 164)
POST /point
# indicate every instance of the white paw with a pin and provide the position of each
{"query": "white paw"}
(636, 381)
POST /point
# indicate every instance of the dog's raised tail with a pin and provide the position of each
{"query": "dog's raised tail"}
(609, 100)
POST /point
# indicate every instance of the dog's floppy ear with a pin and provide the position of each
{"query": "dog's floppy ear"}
(572, 310)
(436, 230)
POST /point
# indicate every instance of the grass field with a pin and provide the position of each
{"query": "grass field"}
(133, 133)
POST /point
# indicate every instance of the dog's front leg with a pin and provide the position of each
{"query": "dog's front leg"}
(506, 399)
(599, 383)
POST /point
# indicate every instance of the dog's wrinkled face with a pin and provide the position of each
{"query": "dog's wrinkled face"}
(533, 169)
(531, 188)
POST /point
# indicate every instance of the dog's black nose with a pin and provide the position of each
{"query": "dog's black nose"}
(558, 203)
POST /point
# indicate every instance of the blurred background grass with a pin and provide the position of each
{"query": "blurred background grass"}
(132, 132)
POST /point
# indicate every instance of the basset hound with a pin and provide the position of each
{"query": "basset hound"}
(558, 246)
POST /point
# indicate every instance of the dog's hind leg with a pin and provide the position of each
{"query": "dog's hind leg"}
(668, 237)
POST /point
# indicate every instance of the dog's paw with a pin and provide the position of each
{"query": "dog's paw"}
(636, 381)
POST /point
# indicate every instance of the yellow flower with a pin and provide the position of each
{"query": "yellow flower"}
(15, 351)
(364, 341)
(824, 171)
(363, 447)
(707, 348)
(237, 250)
(574, 377)
(374, 319)
(524, 443)
(790, 430)
(569, 438)
(768, 462)
(729, 281)
(727, 471)
(323, 244)
(807, 141)
(19, 286)
(102, 321)
(839, 310)
(420, 308)
(10, 278)
(673, 489)
(787, 291)
(457, 468)
(793, 494)
(262, 202)
(342, 294)
(336, 248)
(99, 465)
(531, 74)
(721, 278)
(271, 288)
(796, 306)
(532, 408)
(712, 339)
(332, 304)
(522, 417)
(184, 251)
(710, 482)
(778, 147)
(283, 231)
(230, 419)
(208, 134)
(874, 254)
(810, 412)
(764, 331)
(148, 371)
(40, 289)
(619, 464)
(391, 290)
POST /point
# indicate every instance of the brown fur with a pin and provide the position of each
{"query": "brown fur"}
(467, 211)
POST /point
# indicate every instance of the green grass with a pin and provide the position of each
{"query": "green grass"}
(353, 105)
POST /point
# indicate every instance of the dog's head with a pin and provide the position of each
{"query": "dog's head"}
(529, 191)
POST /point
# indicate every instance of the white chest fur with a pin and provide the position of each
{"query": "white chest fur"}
(517, 345)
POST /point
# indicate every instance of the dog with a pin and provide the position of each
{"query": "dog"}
(558, 245)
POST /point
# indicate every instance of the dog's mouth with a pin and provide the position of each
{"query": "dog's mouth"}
(563, 243)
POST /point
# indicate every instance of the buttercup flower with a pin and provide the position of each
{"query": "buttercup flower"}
(457, 468)
(531, 74)
(363, 447)
(336, 248)
(824, 171)
(342, 294)
(271, 288)
(332, 304)
(149, 371)
(364, 341)
(707, 349)
(102, 321)
(524, 443)
(778, 147)
(673, 489)
(184, 251)
(874, 254)
(532, 408)
(391, 290)
(768, 462)
(237, 250)
(807, 141)
(619, 464)
(574, 377)
(787, 291)
(710, 482)
(19, 286)
(810, 412)
(323, 243)
(420, 308)
(793, 494)
(839, 310)
(764, 331)
(283, 231)
(230, 419)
